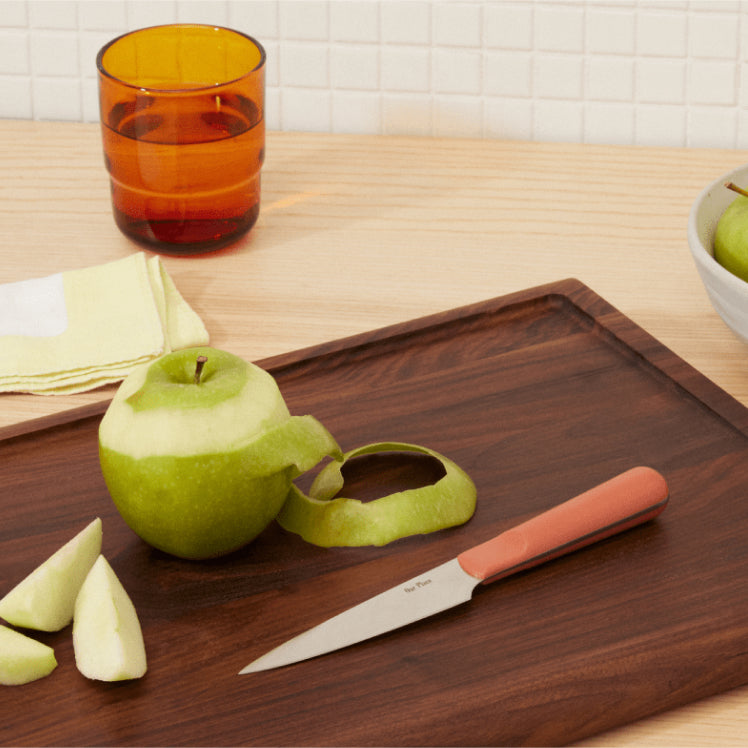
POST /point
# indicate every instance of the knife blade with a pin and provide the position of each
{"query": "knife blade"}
(620, 503)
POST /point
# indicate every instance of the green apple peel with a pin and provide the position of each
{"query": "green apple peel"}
(324, 519)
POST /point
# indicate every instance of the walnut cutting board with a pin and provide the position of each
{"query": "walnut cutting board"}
(539, 396)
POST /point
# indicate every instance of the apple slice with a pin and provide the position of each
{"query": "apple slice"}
(23, 659)
(107, 638)
(45, 599)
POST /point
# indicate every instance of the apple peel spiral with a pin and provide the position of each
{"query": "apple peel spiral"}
(322, 518)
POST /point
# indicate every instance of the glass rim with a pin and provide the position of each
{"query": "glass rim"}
(194, 89)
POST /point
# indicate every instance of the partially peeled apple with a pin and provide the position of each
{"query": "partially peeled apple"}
(198, 450)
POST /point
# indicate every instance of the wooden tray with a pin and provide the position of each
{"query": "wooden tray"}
(539, 396)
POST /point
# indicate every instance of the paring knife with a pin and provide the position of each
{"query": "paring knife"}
(622, 502)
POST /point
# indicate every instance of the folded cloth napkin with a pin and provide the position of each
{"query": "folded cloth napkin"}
(81, 329)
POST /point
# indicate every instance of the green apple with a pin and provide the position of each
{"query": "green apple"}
(45, 599)
(198, 450)
(23, 659)
(107, 639)
(731, 235)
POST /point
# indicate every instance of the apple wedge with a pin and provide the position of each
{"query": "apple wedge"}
(45, 599)
(107, 638)
(23, 659)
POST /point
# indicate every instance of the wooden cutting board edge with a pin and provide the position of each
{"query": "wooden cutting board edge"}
(602, 316)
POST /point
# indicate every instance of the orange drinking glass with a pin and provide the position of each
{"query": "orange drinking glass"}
(183, 126)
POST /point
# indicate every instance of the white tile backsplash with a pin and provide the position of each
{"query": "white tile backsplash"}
(457, 71)
(407, 114)
(508, 25)
(610, 31)
(108, 16)
(649, 72)
(558, 76)
(57, 98)
(406, 68)
(355, 111)
(712, 82)
(15, 13)
(405, 21)
(457, 24)
(713, 35)
(354, 67)
(662, 31)
(272, 69)
(458, 116)
(14, 52)
(742, 126)
(306, 109)
(606, 122)
(354, 22)
(52, 14)
(660, 124)
(15, 96)
(562, 121)
(559, 27)
(507, 118)
(660, 81)
(304, 19)
(141, 13)
(508, 73)
(711, 126)
(54, 53)
(609, 78)
(305, 65)
(196, 11)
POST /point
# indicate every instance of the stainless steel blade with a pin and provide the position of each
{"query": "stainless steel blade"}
(626, 500)
(436, 590)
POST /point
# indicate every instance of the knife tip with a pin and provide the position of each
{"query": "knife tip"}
(258, 665)
(270, 661)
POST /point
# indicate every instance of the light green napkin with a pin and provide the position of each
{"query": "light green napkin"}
(81, 329)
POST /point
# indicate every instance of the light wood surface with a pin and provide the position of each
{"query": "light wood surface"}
(357, 232)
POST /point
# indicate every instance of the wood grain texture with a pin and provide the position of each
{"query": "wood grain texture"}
(539, 395)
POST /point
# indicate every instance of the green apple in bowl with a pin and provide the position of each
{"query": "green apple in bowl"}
(198, 451)
(731, 235)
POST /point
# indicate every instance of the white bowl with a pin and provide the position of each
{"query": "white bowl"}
(727, 292)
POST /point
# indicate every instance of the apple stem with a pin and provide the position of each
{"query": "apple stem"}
(199, 368)
(732, 186)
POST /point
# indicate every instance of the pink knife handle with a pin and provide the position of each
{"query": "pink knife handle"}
(629, 499)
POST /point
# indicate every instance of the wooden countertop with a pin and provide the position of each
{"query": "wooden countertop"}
(357, 232)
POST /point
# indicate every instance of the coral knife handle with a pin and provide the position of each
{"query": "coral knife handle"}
(626, 500)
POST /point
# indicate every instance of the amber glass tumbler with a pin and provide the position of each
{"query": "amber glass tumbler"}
(182, 120)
